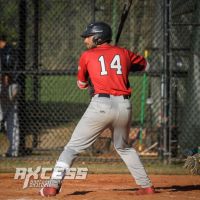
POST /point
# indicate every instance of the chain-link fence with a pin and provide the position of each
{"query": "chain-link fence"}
(46, 38)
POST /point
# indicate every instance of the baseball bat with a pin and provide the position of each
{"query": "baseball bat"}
(124, 15)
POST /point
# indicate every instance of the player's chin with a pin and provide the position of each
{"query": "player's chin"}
(90, 46)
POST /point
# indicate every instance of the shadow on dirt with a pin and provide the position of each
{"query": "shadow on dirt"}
(173, 188)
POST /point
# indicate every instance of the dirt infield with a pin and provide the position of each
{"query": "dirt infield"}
(107, 187)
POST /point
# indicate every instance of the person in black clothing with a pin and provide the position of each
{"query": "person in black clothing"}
(9, 90)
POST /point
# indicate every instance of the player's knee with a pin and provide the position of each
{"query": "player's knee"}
(73, 150)
(122, 146)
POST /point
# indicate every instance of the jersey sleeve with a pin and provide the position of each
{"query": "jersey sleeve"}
(138, 62)
(82, 77)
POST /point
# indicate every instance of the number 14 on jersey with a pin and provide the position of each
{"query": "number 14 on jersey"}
(115, 64)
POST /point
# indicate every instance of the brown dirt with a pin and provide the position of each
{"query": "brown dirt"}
(107, 187)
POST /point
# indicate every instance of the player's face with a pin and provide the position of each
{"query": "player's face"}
(2, 44)
(89, 42)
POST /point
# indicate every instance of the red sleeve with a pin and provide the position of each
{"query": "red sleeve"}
(138, 63)
(82, 77)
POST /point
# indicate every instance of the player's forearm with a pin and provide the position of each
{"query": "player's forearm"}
(82, 85)
(139, 63)
(147, 67)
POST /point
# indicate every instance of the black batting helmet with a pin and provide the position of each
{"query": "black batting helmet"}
(101, 31)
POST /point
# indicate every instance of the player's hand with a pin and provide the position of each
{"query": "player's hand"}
(13, 91)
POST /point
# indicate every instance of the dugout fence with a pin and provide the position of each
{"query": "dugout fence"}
(46, 34)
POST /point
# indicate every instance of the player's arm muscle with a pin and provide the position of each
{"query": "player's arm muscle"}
(82, 79)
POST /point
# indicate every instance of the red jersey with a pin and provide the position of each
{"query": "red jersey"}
(108, 67)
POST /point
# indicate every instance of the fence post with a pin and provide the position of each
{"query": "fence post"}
(21, 67)
(36, 63)
(165, 84)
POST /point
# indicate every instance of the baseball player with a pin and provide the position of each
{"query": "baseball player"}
(8, 97)
(108, 68)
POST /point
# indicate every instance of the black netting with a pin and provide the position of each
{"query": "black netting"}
(46, 37)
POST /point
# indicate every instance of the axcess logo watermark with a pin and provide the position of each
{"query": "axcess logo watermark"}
(39, 177)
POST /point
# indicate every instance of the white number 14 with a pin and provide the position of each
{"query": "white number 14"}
(115, 64)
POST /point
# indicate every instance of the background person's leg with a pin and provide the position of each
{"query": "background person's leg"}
(12, 126)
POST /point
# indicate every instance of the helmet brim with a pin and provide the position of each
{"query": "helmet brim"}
(84, 35)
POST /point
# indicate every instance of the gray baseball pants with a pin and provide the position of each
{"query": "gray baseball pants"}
(102, 112)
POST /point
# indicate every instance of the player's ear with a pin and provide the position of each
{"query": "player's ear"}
(96, 40)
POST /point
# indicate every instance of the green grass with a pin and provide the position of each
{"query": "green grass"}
(97, 167)
(57, 89)
(64, 88)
